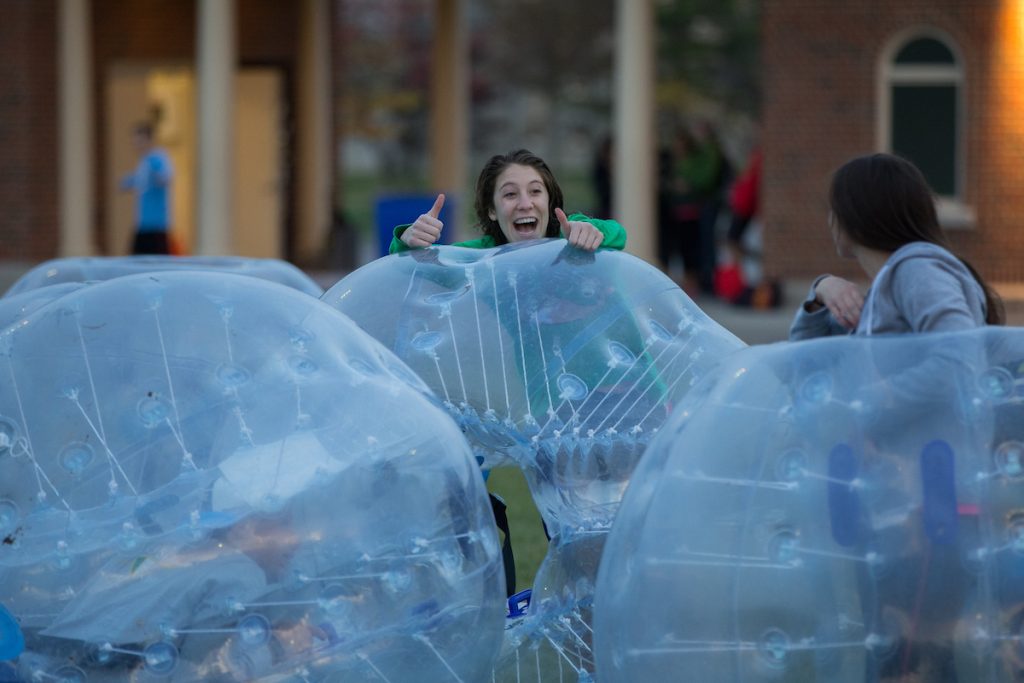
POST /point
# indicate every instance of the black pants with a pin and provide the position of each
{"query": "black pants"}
(150, 242)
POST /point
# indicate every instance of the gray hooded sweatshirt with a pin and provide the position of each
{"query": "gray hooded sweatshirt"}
(921, 288)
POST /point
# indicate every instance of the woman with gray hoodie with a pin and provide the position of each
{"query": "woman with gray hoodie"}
(882, 213)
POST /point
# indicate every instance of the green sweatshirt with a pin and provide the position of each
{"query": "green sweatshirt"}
(701, 170)
(614, 236)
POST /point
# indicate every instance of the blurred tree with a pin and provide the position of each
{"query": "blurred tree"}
(558, 53)
(711, 49)
(541, 77)
(551, 45)
(539, 67)
(385, 60)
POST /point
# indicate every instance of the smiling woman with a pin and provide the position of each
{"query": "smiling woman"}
(517, 199)
(520, 203)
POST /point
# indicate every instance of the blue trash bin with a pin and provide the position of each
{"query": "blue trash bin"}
(392, 210)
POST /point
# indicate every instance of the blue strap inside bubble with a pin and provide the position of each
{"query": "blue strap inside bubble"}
(12, 642)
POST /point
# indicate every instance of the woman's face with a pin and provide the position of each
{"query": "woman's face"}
(520, 203)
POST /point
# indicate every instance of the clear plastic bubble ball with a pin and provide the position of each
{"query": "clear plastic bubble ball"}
(566, 363)
(836, 510)
(205, 476)
(17, 307)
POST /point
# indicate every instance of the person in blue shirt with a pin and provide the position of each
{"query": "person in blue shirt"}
(151, 183)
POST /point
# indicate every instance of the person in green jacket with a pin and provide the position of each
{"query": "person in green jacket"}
(517, 199)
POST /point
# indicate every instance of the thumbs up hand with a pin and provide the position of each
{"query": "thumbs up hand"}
(580, 234)
(427, 228)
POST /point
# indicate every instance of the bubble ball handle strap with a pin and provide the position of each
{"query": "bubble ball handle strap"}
(12, 642)
(501, 518)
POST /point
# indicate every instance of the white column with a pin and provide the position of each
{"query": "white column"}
(315, 134)
(635, 174)
(76, 196)
(216, 60)
(449, 102)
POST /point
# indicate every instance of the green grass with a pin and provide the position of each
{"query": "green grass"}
(529, 545)
(578, 190)
(359, 193)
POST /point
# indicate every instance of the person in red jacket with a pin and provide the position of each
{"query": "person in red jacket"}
(743, 202)
(730, 283)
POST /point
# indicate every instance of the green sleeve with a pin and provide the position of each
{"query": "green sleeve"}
(614, 234)
(398, 246)
(485, 242)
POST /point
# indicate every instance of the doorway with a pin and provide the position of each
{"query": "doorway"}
(165, 95)
(259, 198)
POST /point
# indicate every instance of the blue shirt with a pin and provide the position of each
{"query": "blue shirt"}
(151, 182)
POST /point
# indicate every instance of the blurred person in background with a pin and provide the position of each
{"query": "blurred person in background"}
(744, 204)
(712, 176)
(151, 183)
(678, 210)
(692, 177)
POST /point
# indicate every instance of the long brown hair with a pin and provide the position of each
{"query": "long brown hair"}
(882, 202)
(485, 192)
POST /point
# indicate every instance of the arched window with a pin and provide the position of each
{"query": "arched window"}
(922, 110)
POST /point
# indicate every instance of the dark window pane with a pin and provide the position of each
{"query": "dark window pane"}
(924, 131)
(925, 51)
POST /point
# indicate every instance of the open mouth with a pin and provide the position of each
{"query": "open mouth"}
(525, 225)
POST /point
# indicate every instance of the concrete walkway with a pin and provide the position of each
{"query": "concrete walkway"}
(765, 327)
(754, 326)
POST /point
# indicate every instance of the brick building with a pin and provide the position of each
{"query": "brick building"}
(28, 131)
(940, 81)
